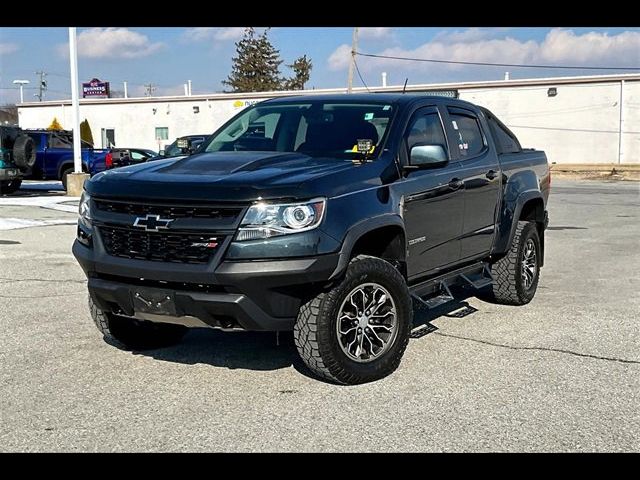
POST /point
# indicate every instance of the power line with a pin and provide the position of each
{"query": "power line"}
(488, 64)
(360, 75)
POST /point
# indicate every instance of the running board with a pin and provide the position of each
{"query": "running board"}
(435, 292)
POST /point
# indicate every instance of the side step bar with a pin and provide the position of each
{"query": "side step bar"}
(435, 291)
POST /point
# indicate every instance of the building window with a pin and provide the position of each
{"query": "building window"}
(162, 133)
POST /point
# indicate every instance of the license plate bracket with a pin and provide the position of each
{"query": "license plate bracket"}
(159, 302)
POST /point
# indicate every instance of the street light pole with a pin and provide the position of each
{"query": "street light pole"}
(22, 83)
(73, 63)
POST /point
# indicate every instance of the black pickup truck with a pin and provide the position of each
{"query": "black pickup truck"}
(327, 220)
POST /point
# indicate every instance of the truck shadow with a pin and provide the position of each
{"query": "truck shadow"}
(260, 351)
(232, 350)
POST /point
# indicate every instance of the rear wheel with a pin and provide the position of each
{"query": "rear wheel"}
(64, 174)
(516, 275)
(133, 334)
(358, 331)
(10, 186)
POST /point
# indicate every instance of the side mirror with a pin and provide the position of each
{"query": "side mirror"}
(161, 153)
(425, 156)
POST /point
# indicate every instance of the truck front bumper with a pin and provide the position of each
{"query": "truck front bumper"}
(249, 295)
(9, 174)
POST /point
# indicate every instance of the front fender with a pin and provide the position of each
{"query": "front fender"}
(360, 229)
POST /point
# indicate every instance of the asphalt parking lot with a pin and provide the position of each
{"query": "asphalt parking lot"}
(560, 374)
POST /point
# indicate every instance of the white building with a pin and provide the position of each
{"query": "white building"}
(588, 119)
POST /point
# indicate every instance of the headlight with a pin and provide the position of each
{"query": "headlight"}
(264, 220)
(84, 209)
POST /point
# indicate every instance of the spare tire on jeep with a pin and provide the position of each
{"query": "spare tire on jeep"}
(24, 152)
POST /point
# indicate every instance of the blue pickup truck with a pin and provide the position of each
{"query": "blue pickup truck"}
(54, 156)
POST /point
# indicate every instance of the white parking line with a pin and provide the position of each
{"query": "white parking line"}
(15, 223)
(59, 203)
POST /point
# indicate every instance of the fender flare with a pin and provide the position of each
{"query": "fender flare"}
(358, 230)
(504, 243)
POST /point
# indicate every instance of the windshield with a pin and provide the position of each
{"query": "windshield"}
(315, 128)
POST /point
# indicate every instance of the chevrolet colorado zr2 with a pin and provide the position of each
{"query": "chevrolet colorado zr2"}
(326, 220)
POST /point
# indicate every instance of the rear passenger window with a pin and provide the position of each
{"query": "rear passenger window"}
(468, 135)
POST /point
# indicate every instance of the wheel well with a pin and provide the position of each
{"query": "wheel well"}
(67, 165)
(387, 243)
(533, 210)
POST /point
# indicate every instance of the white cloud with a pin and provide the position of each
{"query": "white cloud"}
(374, 32)
(339, 59)
(559, 47)
(7, 48)
(593, 48)
(112, 43)
(199, 34)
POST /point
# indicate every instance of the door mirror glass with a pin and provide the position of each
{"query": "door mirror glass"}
(423, 155)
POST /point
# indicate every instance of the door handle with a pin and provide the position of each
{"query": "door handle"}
(455, 184)
(491, 174)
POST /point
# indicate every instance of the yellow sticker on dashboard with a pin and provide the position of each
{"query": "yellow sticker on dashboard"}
(355, 149)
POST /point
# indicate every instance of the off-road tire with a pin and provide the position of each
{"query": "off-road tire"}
(131, 334)
(315, 330)
(508, 287)
(10, 186)
(24, 152)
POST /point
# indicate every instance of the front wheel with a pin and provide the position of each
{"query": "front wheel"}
(133, 334)
(358, 331)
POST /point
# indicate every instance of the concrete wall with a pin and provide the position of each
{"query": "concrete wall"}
(581, 124)
(135, 123)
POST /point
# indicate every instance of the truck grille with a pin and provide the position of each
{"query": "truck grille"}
(169, 211)
(194, 248)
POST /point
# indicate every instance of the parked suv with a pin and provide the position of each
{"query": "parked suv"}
(324, 215)
(17, 157)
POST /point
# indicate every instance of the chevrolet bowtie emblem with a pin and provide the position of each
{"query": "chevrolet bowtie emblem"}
(152, 223)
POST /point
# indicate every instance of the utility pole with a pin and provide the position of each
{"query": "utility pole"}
(149, 89)
(352, 64)
(42, 85)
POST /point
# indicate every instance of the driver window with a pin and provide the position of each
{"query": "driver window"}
(426, 129)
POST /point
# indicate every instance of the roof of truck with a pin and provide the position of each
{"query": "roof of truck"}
(395, 98)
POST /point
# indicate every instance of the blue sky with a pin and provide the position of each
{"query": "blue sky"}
(168, 57)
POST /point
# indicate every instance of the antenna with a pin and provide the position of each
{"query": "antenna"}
(404, 89)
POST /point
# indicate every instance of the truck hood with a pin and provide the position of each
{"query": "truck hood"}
(233, 176)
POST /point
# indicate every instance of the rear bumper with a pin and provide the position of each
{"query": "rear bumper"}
(252, 295)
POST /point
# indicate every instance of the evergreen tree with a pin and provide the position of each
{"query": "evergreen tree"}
(302, 71)
(256, 66)
(85, 132)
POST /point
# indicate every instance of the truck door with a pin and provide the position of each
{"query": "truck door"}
(59, 150)
(480, 172)
(433, 200)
